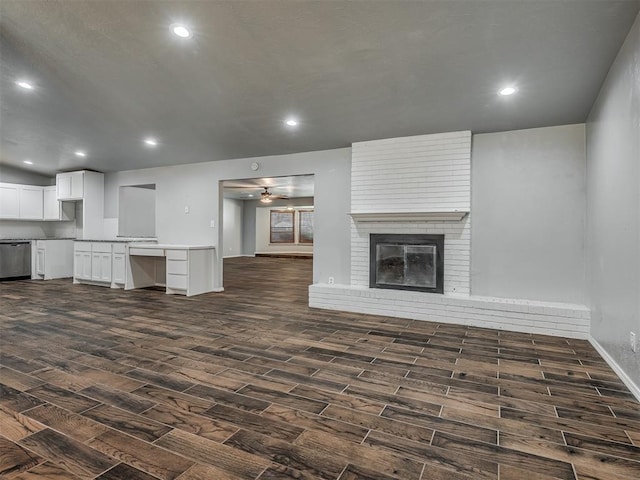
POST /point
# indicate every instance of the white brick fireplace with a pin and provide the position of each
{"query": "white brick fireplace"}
(422, 185)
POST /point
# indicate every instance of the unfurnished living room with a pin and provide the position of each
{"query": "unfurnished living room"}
(305, 239)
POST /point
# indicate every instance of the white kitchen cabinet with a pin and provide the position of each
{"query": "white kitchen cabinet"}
(54, 209)
(189, 268)
(70, 185)
(81, 261)
(9, 204)
(100, 263)
(119, 268)
(101, 258)
(86, 187)
(54, 259)
(40, 257)
(30, 204)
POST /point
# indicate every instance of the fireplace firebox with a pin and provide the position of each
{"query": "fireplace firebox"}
(407, 262)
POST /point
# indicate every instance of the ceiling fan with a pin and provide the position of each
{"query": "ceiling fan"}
(268, 197)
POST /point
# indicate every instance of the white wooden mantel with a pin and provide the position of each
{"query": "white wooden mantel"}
(431, 216)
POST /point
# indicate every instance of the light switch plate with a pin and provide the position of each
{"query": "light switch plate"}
(212, 224)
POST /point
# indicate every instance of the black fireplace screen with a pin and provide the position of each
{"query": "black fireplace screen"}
(407, 262)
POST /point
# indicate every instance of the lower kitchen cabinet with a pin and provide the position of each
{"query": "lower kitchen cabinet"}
(100, 263)
(53, 259)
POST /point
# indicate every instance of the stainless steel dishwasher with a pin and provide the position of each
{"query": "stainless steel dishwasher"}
(15, 260)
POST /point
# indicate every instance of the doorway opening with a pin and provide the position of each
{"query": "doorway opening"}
(268, 218)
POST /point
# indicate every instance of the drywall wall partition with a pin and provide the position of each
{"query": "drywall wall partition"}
(613, 206)
(196, 186)
(528, 214)
(9, 174)
(231, 227)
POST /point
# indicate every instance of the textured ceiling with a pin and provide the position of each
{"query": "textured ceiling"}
(295, 186)
(108, 73)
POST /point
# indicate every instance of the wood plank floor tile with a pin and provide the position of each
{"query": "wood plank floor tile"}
(127, 422)
(222, 456)
(15, 459)
(254, 422)
(435, 459)
(17, 380)
(171, 398)
(142, 455)
(375, 422)
(441, 424)
(66, 422)
(385, 461)
(307, 460)
(502, 455)
(16, 401)
(315, 422)
(251, 383)
(15, 426)
(46, 471)
(191, 422)
(586, 459)
(230, 399)
(117, 398)
(123, 471)
(61, 450)
(207, 472)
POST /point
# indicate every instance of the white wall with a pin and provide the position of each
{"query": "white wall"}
(197, 185)
(9, 174)
(613, 205)
(21, 229)
(249, 227)
(232, 227)
(137, 212)
(528, 203)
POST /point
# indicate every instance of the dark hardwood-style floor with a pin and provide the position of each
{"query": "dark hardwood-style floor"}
(252, 384)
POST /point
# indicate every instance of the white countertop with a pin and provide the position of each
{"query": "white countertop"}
(169, 246)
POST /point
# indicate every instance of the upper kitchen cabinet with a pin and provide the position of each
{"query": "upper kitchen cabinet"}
(9, 204)
(21, 202)
(55, 209)
(70, 185)
(87, 189)
(30, 202)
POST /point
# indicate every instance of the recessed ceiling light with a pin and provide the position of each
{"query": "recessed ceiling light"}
(292, 122)
(28, 162)
(181, 31)
(24, 84)
(151, 142)
(506, 91)
(80, 153)
(250, 195)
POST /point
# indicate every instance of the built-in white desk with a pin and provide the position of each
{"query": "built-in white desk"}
(182, 269)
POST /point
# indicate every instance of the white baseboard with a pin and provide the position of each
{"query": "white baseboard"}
(635, 389)
(236, 256)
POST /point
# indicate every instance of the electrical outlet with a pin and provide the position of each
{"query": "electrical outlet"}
(331, 280)
(186, 209)
(632, 341)
(212, 224)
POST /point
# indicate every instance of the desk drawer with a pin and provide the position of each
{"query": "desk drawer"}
(81, 246)
(176, 254)
(176, 281)
(177, 266)
(100, 247)
(147, 252)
